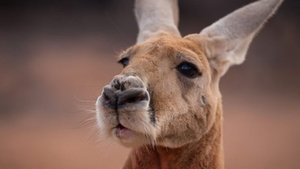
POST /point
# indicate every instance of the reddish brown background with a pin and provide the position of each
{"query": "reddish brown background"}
(55, 56)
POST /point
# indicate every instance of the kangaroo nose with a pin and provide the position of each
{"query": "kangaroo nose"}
(124, 90)
(131, 96)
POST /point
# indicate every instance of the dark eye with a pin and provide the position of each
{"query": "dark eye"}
(188, 69)
(124, 61)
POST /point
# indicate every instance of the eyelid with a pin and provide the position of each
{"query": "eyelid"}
(186, 57)
(126, 53)
(119, 61)
(123, 55)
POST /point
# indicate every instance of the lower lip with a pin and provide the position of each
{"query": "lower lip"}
(123, 132)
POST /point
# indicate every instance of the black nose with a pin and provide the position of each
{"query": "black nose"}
(115, 99)
(133, 95)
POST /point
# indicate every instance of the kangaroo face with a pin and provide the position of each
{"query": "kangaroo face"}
(164, 94)
(167, 93)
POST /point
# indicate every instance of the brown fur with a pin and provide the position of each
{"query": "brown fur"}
(207, 153)
(180, 95)
(189, 134)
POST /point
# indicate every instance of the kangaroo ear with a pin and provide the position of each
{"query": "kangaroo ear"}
(156, 16)
(226, 41)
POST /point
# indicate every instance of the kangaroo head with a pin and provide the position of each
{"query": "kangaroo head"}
(168, 93)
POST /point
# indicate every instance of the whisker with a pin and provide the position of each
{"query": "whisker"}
(83, 100)
(87, 122)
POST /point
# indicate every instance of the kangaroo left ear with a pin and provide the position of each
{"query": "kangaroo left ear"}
(226, 41)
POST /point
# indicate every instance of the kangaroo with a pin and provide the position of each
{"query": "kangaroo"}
(166, 103)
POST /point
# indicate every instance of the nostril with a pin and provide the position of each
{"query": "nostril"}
(109, 96)
(116, 84)
(122, 87)
(132, 96)
(105, 96)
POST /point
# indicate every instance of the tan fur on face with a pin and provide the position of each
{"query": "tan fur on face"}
(176, 99)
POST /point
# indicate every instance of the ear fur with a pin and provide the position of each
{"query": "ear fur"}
(156, 16)
(227, 40)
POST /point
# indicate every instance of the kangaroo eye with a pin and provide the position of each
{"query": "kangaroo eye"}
(188, 69)
(124, 61)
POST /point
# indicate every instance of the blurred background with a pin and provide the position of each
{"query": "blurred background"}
(55, 56)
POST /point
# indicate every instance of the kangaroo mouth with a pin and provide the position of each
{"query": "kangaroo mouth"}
(120, 126)
(122, 132)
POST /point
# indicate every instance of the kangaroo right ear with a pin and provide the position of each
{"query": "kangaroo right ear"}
(226, 41)
(156, 16)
